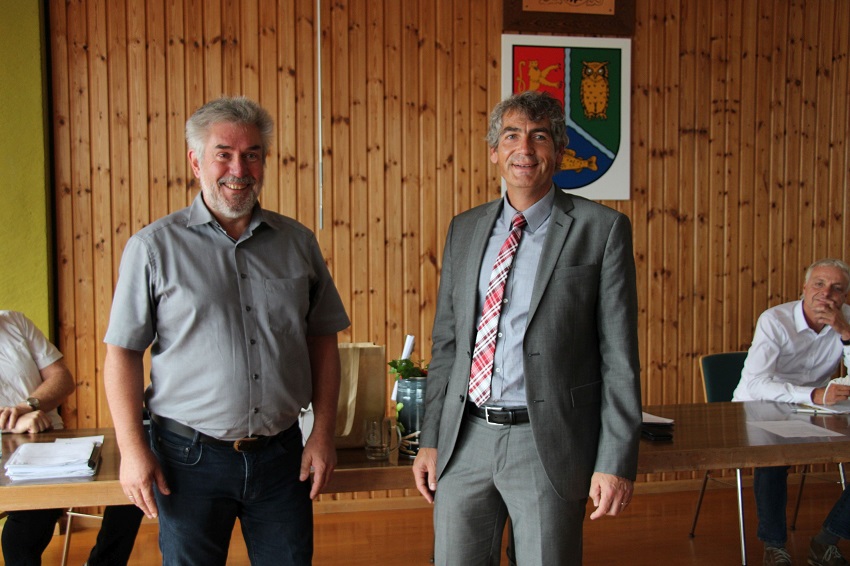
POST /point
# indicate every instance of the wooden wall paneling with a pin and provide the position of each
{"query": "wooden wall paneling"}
(82, 211)
(269, 72)
(445, 136)
(640, 97)
(63, 196)
(729, 149)
(120, 171)
(753, 283)
(780, 108)
(194, 79)
(670, 214)
(119, 147)
(213, 51)
(157, 111)
(307, 123)
(338, 199)
(740, 157)
(138, 116)
(479, 162)
(231, 61)
(703, 228)
(806, 174)
(656, 387)
(793, 148)
(494, 86)
(102, 130)
(716, 327)
(839, 183)
(429, 231)
(412, 169)
(359, 256)
(249, 48)
(376, 229)
(287, 126)
(826, 81)
(176, 87)
(758, 48)
(393, 206)
(118, 229)
(464, 199)
(684, 160)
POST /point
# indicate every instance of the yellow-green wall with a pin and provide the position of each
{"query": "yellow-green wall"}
(25, 221)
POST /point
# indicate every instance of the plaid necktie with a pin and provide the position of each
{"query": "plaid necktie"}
(485, 340)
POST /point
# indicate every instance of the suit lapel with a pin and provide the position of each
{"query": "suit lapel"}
(556, 237)
(477, 245)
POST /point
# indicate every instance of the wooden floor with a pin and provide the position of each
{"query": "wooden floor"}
(653, 531)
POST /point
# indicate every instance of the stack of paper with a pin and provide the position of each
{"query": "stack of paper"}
(64, 458)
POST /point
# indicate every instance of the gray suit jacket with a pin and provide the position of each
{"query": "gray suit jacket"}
(581, 363)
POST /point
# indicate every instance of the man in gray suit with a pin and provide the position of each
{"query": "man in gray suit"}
(557, 418)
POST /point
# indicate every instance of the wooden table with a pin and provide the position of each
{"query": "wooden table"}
(705, 437)
(353, 473)
(714, 436)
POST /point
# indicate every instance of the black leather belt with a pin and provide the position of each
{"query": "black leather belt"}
(498, 415)
(247, 444)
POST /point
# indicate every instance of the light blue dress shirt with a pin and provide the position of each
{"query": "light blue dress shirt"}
(508, 383)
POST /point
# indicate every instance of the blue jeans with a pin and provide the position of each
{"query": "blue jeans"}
(212, 485)
(838, 520)
(771, 489)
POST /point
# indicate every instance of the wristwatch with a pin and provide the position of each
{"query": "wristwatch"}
(33, 403)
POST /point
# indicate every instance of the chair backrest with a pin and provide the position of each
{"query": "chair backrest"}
(721, 374)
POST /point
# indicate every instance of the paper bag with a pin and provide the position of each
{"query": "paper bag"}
(362, 392)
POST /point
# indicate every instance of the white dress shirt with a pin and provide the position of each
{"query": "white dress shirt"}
(788, 359)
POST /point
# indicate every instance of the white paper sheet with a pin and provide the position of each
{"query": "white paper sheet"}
(653, 419)
(794, 429)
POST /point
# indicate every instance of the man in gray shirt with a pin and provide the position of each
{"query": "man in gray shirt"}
(242, 317)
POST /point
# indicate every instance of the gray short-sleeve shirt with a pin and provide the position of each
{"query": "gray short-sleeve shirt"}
(226, 320)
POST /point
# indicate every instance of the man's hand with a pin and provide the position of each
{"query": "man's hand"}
(425, 472)
(610, 494)
(34, 421)
(320, 454)
(834, 394)
(140, 472)
(829, 312)
(9, 417)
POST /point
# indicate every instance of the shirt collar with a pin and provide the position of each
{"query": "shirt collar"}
(802, 325)
(200, 214)
(535, 215)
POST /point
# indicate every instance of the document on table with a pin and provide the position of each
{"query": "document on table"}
(654, 419)
(794, 429)
(64, 458)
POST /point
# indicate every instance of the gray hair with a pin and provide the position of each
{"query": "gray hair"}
(535, 106)
(234, 110)
(830, 262)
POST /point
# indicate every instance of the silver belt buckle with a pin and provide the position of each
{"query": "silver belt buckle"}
(487, 415)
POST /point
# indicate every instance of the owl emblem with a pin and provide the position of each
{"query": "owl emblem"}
(594, 89)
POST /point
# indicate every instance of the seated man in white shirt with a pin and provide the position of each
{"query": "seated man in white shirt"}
(795, 352)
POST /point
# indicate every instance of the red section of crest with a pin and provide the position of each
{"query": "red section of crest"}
(539, 68)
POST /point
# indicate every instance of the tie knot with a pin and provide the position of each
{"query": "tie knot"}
(519, 220)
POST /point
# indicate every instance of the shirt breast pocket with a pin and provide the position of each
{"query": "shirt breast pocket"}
(288, 301)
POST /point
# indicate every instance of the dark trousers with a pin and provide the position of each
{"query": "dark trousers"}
(27, 533)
